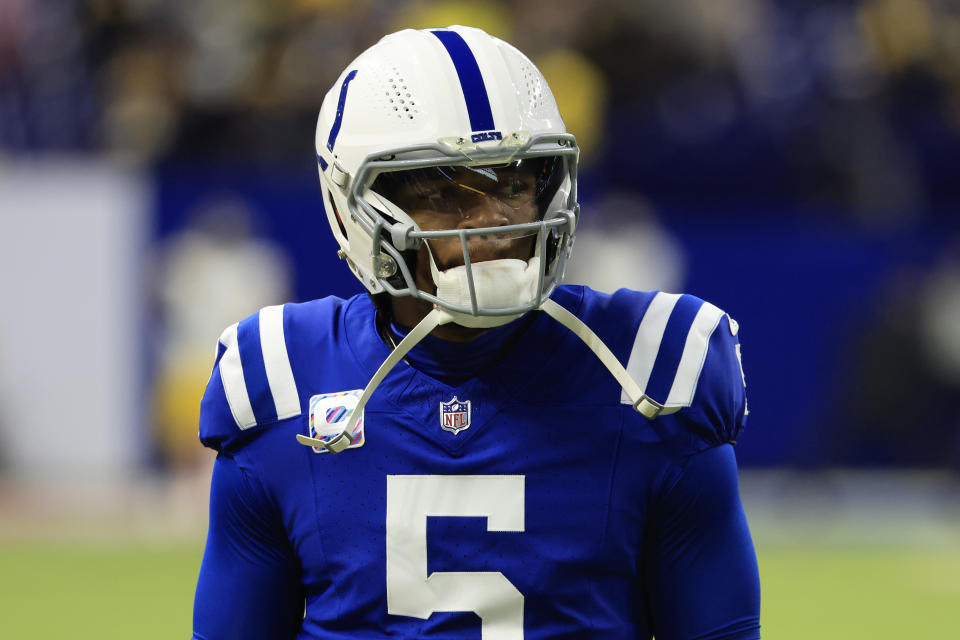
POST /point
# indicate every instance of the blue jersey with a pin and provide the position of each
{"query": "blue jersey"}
(529, 501)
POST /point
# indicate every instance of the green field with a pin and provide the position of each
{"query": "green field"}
(825, 593)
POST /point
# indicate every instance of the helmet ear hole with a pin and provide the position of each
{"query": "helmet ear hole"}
(336, 214)
(549, 181)
(554, 241)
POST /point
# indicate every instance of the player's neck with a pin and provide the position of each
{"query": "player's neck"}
(408, 312)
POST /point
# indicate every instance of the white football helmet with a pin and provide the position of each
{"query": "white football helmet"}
(447, 100)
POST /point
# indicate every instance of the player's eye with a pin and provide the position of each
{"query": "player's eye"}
(440, 195)
(514, 188)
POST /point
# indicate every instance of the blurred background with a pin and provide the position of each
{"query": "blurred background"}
(795, 162)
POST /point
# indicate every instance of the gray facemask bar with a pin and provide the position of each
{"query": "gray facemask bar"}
(406, 236)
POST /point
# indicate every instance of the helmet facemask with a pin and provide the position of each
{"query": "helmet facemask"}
(484, 235)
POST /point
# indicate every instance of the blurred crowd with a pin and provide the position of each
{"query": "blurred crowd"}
(849, 105)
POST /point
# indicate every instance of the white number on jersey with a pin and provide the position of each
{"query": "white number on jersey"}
(410, 591)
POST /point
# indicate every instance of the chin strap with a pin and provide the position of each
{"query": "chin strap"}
(641, 402)
(432, 320)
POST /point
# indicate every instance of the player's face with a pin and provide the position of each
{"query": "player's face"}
(445, 198)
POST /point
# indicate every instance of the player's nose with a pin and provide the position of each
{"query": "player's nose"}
(486, 211)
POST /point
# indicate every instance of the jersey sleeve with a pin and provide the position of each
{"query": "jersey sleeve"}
(252, 383)
(685, 358)
(701, 576)
(249, 586)
(718, 412)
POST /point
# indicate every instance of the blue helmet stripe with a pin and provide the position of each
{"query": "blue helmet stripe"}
(471, 80)
(335, 129)
(254, 370)
(671, 347)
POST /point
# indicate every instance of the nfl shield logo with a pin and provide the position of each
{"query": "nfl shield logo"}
(455, 415)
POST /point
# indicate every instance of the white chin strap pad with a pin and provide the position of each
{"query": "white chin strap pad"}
(499, 284)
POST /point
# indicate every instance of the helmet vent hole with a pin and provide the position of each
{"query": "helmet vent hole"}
(535, 87)
(397, 93)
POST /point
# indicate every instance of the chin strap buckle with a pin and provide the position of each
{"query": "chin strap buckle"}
(647, 407)
(335, 445)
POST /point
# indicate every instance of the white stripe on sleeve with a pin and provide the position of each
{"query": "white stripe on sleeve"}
(277, 363)
(647, 343)
(234, 385)
(694, 354)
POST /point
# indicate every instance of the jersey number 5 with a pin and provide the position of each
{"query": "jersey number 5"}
(410, 591)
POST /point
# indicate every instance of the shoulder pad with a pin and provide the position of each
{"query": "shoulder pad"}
(252, 382)
(686, 358)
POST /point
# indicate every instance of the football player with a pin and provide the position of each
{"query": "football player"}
(471, 450)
